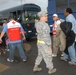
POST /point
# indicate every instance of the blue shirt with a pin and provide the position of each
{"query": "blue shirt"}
(62, 20)
(6, 30)
(71, 18)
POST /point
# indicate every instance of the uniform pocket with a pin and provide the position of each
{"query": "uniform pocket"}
(46, 50)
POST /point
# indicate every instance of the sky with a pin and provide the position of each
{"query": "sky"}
(5, 4)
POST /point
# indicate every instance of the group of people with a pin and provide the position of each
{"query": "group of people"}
(64, 38)
(64, 32)
(15, 34)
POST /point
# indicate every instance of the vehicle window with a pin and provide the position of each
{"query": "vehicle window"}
(61, 5)
(31, 16)
(73, 4)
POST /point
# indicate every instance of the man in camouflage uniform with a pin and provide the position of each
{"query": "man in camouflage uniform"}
(43, 44)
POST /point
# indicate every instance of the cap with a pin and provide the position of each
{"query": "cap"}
(55, 15)
(41, 14)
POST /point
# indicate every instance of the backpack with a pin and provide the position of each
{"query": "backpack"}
(66, 27)
(70, 35)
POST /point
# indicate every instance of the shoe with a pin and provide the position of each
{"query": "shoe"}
(72, 63)
(35, 69)
(9, 60)
(63, 59)
(0, 52)
(24, 61)
(53, 55)
(52, 71)
(7, 49)
(62, 55)
(4, 52)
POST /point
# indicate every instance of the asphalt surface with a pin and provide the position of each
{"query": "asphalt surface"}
(20, 68)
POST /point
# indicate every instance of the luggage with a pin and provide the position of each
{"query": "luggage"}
(27, 47)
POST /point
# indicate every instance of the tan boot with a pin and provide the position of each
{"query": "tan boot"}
(52, 71)
(35, 69)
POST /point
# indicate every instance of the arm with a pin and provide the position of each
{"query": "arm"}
(23, 33)
(58, 29)
(2, 34)
(46, 35)
(73, 21)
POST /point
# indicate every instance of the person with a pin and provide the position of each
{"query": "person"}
(6, 37)
(71, 49)
(58, 36)
(3, 44)
(70, 35)
(14, 31)
(43, 44)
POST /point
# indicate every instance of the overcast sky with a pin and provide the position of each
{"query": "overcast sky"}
(5, 4)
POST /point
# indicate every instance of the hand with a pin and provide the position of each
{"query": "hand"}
(36, 20)
(25, 32)
(24, 38)
(50, 48)
(0, 40)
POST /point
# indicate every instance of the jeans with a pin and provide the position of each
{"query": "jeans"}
(72, 53)
(7, 47)
(13, 47)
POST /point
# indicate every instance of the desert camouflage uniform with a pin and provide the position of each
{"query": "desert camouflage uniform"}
(43, 34)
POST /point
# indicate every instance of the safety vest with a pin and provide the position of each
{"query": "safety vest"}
(14, 31)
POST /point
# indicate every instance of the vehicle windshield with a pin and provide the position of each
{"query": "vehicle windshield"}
(30, 16)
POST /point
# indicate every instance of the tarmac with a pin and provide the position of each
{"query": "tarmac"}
(20, 68)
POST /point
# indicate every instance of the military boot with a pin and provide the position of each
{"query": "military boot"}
(36, 68)
(52, 71)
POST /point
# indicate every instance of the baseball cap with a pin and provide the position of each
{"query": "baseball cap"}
(55, 15)
(42, 13)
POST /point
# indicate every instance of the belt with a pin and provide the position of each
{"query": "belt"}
(40, 41)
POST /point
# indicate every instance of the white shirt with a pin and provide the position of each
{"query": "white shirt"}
(56, 23)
